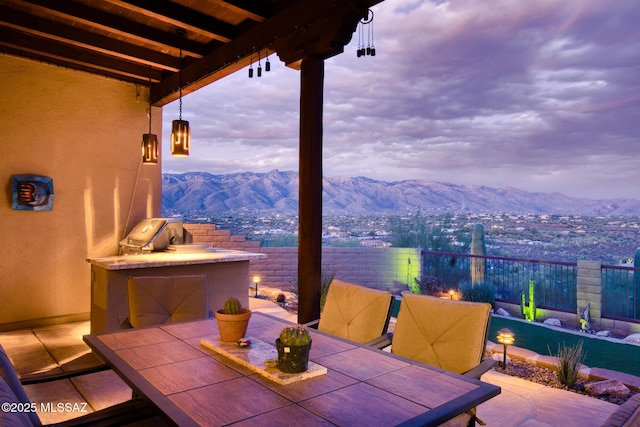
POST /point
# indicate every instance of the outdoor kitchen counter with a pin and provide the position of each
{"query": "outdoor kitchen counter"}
(169, 258)
(227, 272)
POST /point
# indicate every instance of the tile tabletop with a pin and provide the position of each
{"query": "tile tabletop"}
(190, 384)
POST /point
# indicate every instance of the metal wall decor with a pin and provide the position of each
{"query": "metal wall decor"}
(31, 193)
(368, 23)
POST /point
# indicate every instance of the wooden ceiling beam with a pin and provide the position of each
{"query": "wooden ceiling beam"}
(58, 52)
(294, 32)
(250, 9)
(190, 20)
(76, 37)
(247, 8)
(163, 41)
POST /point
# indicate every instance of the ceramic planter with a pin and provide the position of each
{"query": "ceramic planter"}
(232, 327)
(293, 359)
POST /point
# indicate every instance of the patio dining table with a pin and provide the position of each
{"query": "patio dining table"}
(190, 384)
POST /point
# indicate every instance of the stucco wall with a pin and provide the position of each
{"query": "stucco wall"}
(84, 131)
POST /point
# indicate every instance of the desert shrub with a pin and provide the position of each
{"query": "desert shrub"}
(428, 285)
(568, 366)
(325, 281)
(480, 292)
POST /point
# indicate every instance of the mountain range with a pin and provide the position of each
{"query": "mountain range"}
(277, 192)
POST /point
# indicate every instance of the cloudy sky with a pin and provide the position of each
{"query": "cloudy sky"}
(540, 95)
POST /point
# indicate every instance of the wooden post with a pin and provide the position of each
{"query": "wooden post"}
(310, 189)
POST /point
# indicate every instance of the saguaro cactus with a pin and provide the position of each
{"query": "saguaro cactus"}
(478, 247)
(529, 311)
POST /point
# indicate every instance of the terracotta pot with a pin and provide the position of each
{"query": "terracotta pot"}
(293, 359)
(232, 327)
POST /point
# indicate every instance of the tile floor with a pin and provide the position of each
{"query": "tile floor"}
(60, 348)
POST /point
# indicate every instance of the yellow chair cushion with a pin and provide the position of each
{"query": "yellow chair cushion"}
(440, 332)
(355, 312)
(155, 300)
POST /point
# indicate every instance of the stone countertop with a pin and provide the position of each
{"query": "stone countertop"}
(171, 258)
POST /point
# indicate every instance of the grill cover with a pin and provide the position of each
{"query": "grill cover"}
(153, 234)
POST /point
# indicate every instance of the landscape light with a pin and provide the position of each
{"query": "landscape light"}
(505, 337)
(256, 280)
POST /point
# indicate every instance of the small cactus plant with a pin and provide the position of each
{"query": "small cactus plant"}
(295, 336)
(232, 306)
(232, 320)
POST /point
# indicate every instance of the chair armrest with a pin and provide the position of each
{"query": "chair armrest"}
(483, 367)
(45, 378)
(381, 342)
(120, 414)
(313, 324)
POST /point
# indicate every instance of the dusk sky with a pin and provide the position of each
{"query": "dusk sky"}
(539, 95)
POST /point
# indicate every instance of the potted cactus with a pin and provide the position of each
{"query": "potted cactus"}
(293, 347)
(232, 320)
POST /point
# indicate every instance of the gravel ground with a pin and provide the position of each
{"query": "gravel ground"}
(547, 377)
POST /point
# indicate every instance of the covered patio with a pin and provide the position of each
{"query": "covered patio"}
(78, 78)
(521, 403)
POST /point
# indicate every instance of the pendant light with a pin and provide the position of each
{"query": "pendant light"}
(180, 131)
(149, 141)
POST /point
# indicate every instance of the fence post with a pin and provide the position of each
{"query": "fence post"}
(589, 290)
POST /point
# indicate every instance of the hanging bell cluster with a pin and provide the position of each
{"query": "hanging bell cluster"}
(267, 67)
(366, 25)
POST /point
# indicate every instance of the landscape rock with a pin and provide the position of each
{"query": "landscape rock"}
(611, 387)
(603, 334)
(552, 321)
(635, 338)
(502, 312)
(273, 293)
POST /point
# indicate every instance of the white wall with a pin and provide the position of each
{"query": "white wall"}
(84, 131)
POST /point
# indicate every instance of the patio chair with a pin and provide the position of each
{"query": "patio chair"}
(155, 300)
(448, 334)
(355, 312)
(17, 406)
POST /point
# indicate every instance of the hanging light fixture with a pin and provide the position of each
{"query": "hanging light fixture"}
(180, 131)
(149, 141)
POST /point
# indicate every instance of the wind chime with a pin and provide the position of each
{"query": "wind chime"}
(367, 22)
(267, 66)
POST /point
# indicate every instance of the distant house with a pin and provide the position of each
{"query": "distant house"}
(374, 243)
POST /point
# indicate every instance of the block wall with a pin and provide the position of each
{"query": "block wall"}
(380, 268)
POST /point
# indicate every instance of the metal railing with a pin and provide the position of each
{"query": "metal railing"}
(555, 283)
(620, 292)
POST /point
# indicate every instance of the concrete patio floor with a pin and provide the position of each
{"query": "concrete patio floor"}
(60, 347)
